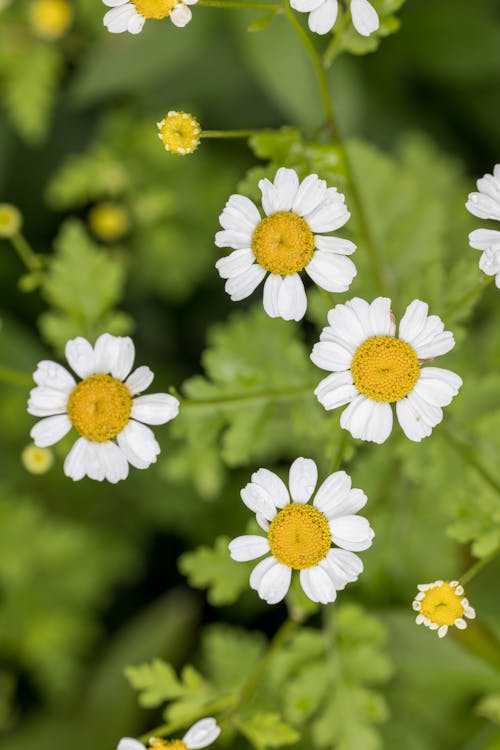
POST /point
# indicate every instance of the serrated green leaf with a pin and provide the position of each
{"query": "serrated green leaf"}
(156, 682)
(213, 569)
(268, 730)
(230, 654)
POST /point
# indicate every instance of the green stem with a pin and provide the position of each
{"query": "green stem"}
(236, 4)
(334, 48)
(14, 377)
(469, 455)
(477, 567)
(174, 726)
(234, 133)
(467, 297)
(317, 65)
(25, 253)
(339, 453)
(255, 398)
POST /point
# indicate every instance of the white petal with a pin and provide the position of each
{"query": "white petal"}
(460, 624)
(248, 547)
(305, 6)
(483, 239)
(375, 319)
(201, 734)
(364, 17)
(124, 357)
(489, 262)
(331, 214)
(437, 386)
(272, 287)
(273, 485)
(271, 580)
(138, 445)
(425, 333)
(318, 585)
(336, 390)
(155, 408)
(367, 420)
(127, 743)
(334, 244)
(105, 352)
(240, 214)
(80, 356)
(292, 300)
(75, 465)
(230, 238)
(416, 417)
(312, 190)
(114, 3)
(286, 183)
(50, 430)
(139, 380)
(336, 498)
(135, 24)
(258, 500)
(343, 567)
(483, 206)
(322, 19)
(263, 522)
(235, 264)
(53, 375)
(242, 286)
(117, 19)
(181, 15)
(352, 533)
(331, 272)
(333, 356)
(302, 479)
(46, 402)
(442, 631)
(113, 465)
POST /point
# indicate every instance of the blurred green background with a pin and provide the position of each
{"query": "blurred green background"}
(89, 581)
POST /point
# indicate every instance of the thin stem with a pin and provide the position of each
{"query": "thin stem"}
(317, 65)
(234, 133)
(339, 453)
(334, 48)
(174, 726)
(477, 567)
(469, 455)
(25, 252)
(262, 397)
(15, 377)
(236, 4)
(467, 297)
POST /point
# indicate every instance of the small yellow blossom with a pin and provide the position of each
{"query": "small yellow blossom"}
(179, 132)
(37, 460)
(10, 220)
(442, 604)
(109, 221)
(50, 19)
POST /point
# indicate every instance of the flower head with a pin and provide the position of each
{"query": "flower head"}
(131, 16)
(10, 220)
(442, 604)
(323, 14)
(285, 242)
(179, 132)
(37, 460)
(300, 535)
(485, 204)
(372, 368)
(104, 408)
(109, 221)
(50, 19)
(201, 734)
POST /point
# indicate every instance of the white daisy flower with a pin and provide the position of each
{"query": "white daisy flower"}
(372, 368)
(442, 604)
(323, 14)
(131, 16)
(485, 204)
(285, 242)
(201, 734)
(103, 408)
(299, 535)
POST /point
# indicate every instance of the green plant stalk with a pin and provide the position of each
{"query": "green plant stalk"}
(250, 398)
(477, 567)
(25, 252)
(234, 133)
(469, 455)
(468, 297)
(175, 726)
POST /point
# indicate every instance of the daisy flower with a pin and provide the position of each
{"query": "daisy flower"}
(285, 242)
(131, 16)
(103, 408)
(201, 734)
(442, 604)
(323, 14)
(372, 368)
(485, 204)
(299, 536)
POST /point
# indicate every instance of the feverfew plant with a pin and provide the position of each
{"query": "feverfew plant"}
(365, 272)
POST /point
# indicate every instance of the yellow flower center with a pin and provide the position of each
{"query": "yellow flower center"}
(51, 18)
(10, 220)
(283, 243)
(179, 132)
(385, 368)
(37, 460)
(158, 742)
(99, 407)
(155, 8)
(442, 605)
(108, 221)
(299, 536)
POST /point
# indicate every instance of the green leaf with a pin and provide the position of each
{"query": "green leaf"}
(156, 682)
(230, 654)
(268, 730)
(214, 570)
(489, 707)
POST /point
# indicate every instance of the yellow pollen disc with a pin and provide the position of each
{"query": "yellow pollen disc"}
(179, 132)
(299, 536)
(385, 368)
(158, 742)
(37, 460)
(155, 8)
(99, 407)
(283, 243)
(10, 220)
(109, 221)
(442, 605)
(51, 18)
